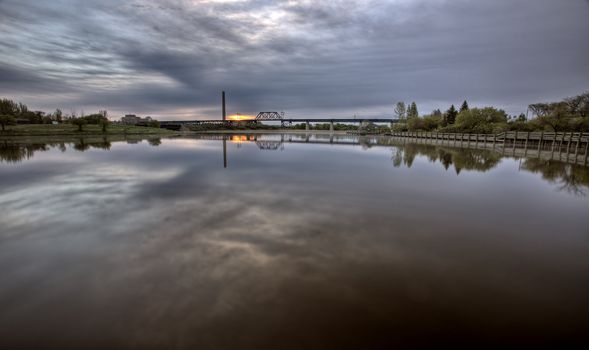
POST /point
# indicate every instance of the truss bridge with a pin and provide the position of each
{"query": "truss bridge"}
(270, 116)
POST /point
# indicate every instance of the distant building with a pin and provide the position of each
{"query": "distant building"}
(131, 119)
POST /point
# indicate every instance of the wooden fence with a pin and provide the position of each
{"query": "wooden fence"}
(572, 144)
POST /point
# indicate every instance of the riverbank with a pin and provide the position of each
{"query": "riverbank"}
(88, 130)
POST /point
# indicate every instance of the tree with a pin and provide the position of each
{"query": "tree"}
(104, 123)
(559, 116)
(482, 120)
(8, 107)
(579, 105)
(400, 110)
(413, 120)
(95, 118)
(451, 115)
(58, 115)
(80, 122)
(415, 123)
(464, 106)
(6, 120)
(432, 121)
(412, 111)
(556, 118)
(22, 109)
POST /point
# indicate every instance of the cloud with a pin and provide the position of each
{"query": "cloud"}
(171, 59)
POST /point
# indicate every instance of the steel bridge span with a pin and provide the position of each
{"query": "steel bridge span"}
(286, 120)
(177, 124)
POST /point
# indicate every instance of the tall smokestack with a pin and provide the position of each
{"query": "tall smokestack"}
(224, 112)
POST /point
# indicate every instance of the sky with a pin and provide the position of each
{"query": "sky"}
(319, 59)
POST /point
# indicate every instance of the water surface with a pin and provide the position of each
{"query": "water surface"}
(166, 244)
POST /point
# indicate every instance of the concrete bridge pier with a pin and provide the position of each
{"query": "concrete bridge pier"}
(307, 126)
(331, 127)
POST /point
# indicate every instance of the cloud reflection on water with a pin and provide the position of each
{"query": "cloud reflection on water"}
(164, 247)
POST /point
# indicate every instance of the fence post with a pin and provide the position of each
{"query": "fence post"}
(540, 143)
(504, 138)
(514, 141)
(586, 149)
(526, 145)
(561, 141)
(577, 147)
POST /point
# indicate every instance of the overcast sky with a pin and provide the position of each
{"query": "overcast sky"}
(333, 58)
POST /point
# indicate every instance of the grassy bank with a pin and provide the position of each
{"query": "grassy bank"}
(68, 129)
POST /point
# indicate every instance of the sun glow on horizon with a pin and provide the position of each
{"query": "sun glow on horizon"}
(241, 117)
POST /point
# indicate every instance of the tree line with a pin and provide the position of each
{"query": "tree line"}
(11, 112)
(570, 114)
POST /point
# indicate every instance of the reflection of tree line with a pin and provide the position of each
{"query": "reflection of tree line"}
(14, 152)
(572, 178)
(468, 159)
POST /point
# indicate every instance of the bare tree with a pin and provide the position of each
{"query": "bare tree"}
(400, 110)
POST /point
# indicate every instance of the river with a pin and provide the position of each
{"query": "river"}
(286, 244)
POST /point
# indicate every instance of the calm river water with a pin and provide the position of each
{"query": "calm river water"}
(156, 244)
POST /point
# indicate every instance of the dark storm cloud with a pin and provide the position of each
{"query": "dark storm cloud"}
(20, 80)
(171, 58)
